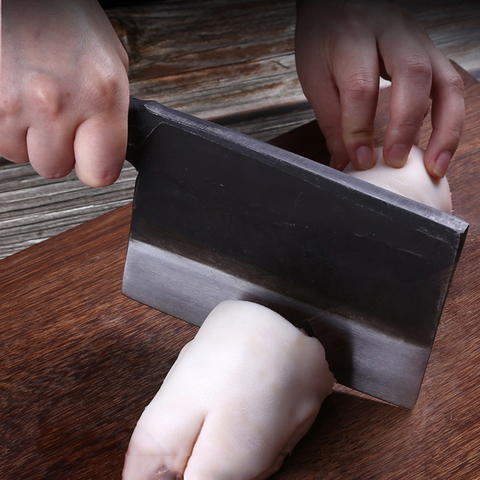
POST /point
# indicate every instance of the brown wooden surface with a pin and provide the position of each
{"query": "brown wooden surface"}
(79, 362)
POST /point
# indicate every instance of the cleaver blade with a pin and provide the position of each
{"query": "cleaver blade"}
(219, 215)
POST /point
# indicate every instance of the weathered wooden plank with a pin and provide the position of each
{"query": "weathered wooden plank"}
(218, 91)
(177, 37)
(212, 59)
(454, 29)
(34, 209)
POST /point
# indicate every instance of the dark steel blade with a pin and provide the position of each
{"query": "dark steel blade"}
(218, 215)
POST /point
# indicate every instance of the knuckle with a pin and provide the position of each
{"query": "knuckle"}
(47, 97)
(456, 131)
(455, 84)
(405, 130)
(410, 125)
(108, 89)
(357, 129)
(355, 132)
(418, 67)
(360, 86)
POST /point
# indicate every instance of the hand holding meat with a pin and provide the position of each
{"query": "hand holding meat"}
(342, 48)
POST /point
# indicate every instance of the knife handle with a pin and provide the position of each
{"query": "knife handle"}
(141, 123)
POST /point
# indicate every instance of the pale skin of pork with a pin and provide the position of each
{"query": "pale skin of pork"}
(412, 180)
(239, 397)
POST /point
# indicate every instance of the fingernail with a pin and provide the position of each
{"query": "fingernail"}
(441, 165)
(364, 157)
(397, 155)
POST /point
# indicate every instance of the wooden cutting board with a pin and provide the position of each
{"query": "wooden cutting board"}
(79, 361)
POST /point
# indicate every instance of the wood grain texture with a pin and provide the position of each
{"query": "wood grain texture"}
(229, 60)
(79, 362)
(33, 209)
(453, 28)
(213, 59)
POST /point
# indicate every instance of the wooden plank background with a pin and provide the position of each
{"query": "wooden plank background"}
(230, 61)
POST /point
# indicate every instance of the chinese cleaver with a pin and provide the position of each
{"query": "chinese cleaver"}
(219, 215)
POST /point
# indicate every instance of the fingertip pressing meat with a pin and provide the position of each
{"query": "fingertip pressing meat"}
(412, 180)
